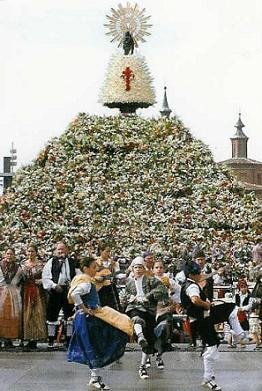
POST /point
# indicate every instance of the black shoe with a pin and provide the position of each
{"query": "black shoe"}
(8, 344)
(32, 345)
(160, 363)
(143, 372)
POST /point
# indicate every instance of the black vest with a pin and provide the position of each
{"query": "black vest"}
(56, 268)
(245, 302)
(191, 309)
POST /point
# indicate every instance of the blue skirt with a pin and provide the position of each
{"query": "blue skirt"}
(95, 342)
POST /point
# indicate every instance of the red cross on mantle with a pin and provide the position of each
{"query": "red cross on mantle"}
(128, 75)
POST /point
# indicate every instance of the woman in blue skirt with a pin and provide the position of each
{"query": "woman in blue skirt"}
(100, 334)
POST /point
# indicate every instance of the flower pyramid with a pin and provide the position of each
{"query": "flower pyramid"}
(136, 183)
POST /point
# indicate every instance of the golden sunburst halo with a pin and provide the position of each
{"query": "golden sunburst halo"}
(128, 18)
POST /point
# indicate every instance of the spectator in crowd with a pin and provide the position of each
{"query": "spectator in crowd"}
(34, 310)
(207, 283)
(107, 268)
(10, 298)
(220, 279)
(244, 302)
(57, 274)
(149, 263)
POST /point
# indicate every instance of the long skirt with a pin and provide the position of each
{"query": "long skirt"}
(34, 323)
(10, 312)
(95, 342)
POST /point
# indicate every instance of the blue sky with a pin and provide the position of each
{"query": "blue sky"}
(54, 54)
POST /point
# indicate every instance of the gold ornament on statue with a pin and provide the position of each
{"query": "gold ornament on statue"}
(128, 25)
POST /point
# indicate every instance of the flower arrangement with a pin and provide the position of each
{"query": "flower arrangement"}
(136, 183)
(127, 81)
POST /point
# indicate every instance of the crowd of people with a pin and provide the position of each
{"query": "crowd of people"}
(99, 318)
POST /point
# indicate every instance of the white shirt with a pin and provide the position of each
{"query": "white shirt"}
(193, 289)
(80, 290)
(139, 286)
(64, 276)
(249, 305)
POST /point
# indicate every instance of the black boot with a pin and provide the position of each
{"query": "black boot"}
(8, 344)
(51, 342)
(32, 344)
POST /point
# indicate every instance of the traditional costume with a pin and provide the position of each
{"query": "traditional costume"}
(98, 339)
(165, 323)
(58, 271)
(204, 320)
(10, 300)
(141, 297)
(34, 323)
(107, 290)
(244, 302)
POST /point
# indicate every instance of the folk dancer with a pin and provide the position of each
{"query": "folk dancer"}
(141, 296)
(100, 333)
(164, 313)
(205, 316)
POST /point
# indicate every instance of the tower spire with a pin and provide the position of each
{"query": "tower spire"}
(239, 140)
(165, 110)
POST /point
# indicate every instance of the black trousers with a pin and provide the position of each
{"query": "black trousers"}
(148, 330)
(57, 301)
(206, 326)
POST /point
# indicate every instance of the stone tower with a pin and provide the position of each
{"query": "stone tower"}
(245, 170)
(239, 141)
(165, 110)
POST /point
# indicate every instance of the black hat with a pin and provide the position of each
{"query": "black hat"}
(192, 268)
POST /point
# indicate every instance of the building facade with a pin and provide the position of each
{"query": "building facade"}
(247, 171)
